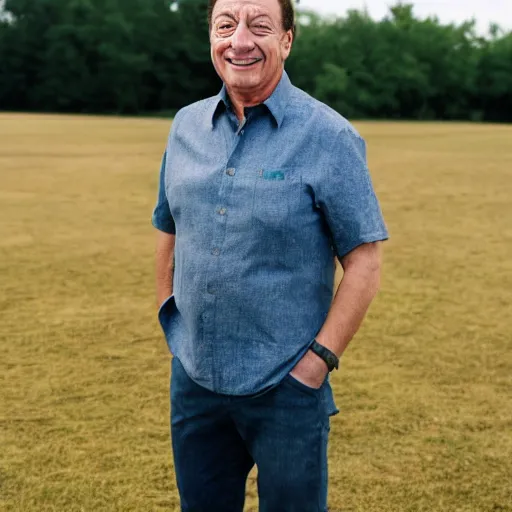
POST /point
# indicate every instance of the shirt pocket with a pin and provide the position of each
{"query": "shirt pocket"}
(276, 197)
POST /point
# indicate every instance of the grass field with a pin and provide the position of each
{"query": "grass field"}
(424, 391)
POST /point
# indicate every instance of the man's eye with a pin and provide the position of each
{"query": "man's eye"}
(260, 28)
(225, 26)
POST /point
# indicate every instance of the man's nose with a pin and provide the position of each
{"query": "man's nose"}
(242, 41)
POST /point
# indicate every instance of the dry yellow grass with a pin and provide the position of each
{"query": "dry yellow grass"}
(424, 391)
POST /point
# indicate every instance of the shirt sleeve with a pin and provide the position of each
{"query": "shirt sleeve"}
(347, 197)
(162, 218)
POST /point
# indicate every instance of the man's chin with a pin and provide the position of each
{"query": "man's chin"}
(242, 81)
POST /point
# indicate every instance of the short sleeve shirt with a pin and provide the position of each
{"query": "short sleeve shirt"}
(260, 209)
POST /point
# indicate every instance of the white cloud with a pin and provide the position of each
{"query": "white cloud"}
(448, 11)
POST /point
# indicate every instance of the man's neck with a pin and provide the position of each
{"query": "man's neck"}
(243, 99)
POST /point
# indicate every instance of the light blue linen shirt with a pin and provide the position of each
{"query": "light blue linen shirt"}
(260, 210)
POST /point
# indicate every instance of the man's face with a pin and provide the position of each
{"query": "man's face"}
(248, 44)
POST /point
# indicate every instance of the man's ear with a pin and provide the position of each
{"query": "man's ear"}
(287, 43)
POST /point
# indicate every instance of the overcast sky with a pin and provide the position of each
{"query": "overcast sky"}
(484, 11)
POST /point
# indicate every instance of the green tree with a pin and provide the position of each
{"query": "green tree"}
(494, 78)
(130, 56)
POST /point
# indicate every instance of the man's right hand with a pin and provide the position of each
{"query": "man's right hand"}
(164, 266)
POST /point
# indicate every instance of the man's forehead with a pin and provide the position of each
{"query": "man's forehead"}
(270, 7)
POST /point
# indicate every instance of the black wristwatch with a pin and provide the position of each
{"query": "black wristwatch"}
(330, 358)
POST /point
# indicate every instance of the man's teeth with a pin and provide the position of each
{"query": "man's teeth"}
(244, 62)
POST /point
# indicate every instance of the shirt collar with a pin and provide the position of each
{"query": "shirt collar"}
(276, 103)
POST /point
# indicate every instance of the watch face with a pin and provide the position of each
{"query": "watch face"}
(331, 361)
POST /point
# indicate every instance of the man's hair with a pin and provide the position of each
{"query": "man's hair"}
(287, 14)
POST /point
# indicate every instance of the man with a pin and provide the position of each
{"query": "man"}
(261, 187)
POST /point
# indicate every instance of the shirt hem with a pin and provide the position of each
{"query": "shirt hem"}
(374, 237)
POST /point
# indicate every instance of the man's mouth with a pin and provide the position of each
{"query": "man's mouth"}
(244, 62)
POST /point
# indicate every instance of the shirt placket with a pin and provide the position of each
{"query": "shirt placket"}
(219, 230)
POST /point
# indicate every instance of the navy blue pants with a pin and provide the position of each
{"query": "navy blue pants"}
(217, 439)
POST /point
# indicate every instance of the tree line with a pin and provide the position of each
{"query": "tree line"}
(143, 56)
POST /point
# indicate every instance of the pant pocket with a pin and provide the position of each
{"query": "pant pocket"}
(293, 382)
(167, 316)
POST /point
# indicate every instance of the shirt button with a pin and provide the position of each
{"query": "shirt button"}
(216, 251)
(222, 211)
(210, 289)
(241, 132)
(230, 172)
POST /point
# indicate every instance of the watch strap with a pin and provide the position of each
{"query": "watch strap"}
(330, 358)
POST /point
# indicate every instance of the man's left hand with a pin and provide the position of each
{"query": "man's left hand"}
(311, 370)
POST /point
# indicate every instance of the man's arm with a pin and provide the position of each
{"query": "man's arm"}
(358, 288)
(355, 293)
(164, 265)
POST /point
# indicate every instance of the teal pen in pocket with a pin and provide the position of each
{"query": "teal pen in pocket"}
(273, 175)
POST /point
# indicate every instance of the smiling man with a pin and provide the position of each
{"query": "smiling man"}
(261, 188)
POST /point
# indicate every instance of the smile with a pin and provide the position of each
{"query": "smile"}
(243, 62)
